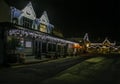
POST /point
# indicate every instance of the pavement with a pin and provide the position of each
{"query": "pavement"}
(31, 60)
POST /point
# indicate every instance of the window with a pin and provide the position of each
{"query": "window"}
(59, 48)
(15, 20)
(54, 47)
(44, 47)
(49, 47)
(43, 28)
(27, 22)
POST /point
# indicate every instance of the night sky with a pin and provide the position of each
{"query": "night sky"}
(99, 18)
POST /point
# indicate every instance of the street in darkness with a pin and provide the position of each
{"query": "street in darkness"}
(59, 42)
(75, 70)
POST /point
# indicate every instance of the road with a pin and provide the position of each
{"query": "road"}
(74, 70)
(97, 70)
(35, 73)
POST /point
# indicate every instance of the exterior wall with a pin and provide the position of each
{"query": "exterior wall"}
(1, 48)
(70, 49)
(4, 12)
(24, 41)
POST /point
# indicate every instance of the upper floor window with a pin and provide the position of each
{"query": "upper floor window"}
(27, 22)
(43, 28)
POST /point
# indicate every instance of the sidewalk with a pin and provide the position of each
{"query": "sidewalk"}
(32, 60)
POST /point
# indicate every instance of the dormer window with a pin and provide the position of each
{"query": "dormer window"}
(43, 28)
(28, 12)
(15, 21)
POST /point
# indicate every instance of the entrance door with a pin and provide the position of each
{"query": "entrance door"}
(37, 49)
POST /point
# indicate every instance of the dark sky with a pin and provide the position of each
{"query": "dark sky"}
(99, 18)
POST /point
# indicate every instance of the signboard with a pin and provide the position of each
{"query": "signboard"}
(28, 44)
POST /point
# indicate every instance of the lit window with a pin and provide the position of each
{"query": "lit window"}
(43, 28)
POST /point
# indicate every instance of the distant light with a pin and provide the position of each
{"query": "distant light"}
(104, 46)
(87, 45)
(76, 45)
(80, 41)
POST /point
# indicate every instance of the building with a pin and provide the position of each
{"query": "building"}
(23, 34)
(99, 47)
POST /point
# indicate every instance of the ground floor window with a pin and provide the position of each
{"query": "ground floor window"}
(44, 47)
(51, 47)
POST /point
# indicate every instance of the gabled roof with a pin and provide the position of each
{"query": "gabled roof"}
(15, 12)
(44, 18)
(86, 38)
(29, 11)
(106, 41)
